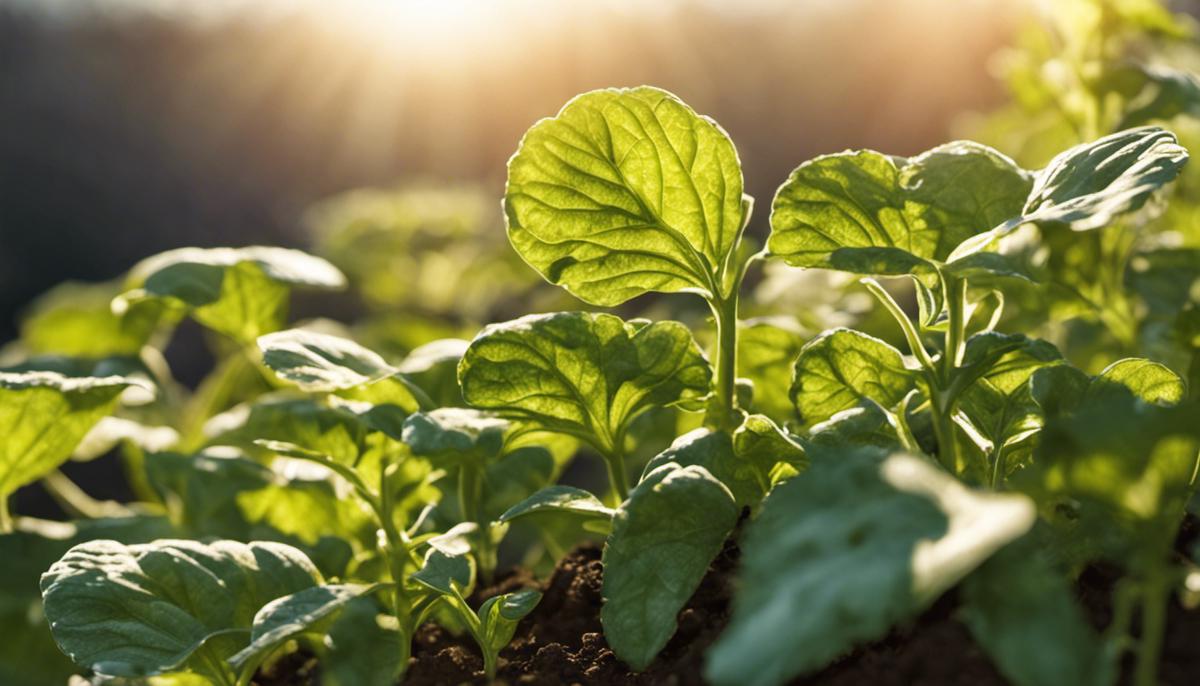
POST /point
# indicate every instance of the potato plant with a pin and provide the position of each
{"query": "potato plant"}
(315, 495)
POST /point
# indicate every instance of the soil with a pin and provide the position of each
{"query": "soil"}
(561, 641)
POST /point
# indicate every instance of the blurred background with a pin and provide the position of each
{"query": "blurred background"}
(133, 126)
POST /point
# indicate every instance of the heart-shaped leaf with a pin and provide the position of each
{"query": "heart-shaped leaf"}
(582, 374)
(840, 368)
(625, 192)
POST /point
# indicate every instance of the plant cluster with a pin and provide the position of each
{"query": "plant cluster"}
(313, 493)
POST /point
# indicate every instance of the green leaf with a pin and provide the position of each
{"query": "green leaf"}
(1058, 389)
(764, 443)
(222, 494)
(865, 424)
(321, 363)
(240, 292)
(999, 403)
(1148, 380)
(1016, 604)
(840, 368)
(748, 480)
(434, 368)
(1091, 185)
(664, 537)
(869, 213)
(146, 609)
(845, 550)
(445, 573)
(28, 655)
(453, 435)
(499, 616)
(1132, 460)
(585, 375)
(364, 647)
(328, 428)
(625, 192)
(76, 319)
(43, 416)
(1166, 93)
(559, 499)
(767, 349)
(302, 612)
(318, 362)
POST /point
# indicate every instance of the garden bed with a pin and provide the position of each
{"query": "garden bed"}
(562, 641)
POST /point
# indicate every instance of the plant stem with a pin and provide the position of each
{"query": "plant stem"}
(906, 326)
(725, 313)
(956, 331)
(1156, 595)
(75, 502)
(470, 495)
(952, 357)
(6, 520)
(617, 478)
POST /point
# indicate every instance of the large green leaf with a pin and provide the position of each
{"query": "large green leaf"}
(664, 537)
(838, 369)
(840, 553)
(43, 416)
(1090, 185)
(1132, 460)
(625, 192)
(869, 213)
(240, 292)
(1016, 604)
(28, 655)
(582, 374)
(145, 609)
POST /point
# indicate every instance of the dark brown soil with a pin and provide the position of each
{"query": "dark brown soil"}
(561, 641)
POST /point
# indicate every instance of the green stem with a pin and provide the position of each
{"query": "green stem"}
(952, 357)
(906, 326)
(725, 313)
(470, 496)
(1156, 595)
(943, 431)
(75, 502)
(396, 551)
(617, 476)
(999, 458)
(6, 520)
(956, 305)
